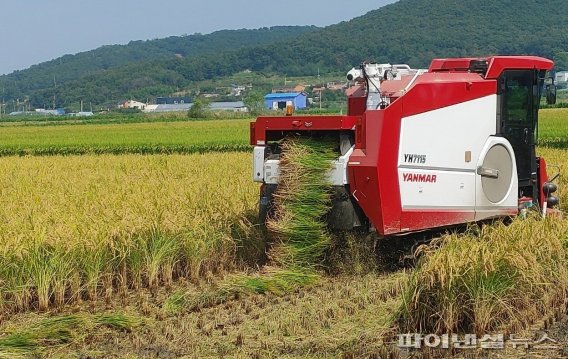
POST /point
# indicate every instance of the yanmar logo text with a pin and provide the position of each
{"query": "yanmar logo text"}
(413, 177)
(415, 159)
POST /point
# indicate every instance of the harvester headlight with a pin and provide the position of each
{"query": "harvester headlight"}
(355, 74)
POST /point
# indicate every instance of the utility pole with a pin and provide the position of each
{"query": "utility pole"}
(2, 105)
(54, 90)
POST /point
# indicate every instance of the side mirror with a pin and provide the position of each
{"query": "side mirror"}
(551, 94)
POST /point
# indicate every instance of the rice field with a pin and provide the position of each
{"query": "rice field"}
(152, 215)
(181, 137)
(134, 138)
(77, 228)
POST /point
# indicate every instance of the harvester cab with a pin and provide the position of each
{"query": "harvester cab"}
(425, 149)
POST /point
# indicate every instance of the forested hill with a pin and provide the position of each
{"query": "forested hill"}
(60, 71)
(408, 31)
(415, 31)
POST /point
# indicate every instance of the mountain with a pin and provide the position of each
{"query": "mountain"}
(408, 31)
(60, 71)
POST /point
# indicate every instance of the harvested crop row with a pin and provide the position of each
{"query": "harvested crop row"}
(57, 331)
(301, 202)
(300, 236)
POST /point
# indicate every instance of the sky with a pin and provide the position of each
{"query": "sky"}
(34, 31)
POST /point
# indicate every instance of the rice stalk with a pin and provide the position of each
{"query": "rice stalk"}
(94, 224)
(505, 278)
(301, 201)
(161, 252)
(301, 238)
(57, 331)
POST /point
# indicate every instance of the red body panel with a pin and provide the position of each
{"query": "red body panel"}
(433, 91)
(264, 125)
(542, 179)
(450, 65)
(496, 64)
(356, 101)
(376, 186)
(415, 220)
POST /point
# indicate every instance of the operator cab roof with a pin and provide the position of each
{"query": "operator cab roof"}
(490, 67)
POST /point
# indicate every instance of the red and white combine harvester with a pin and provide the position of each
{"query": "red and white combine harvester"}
(426, 149)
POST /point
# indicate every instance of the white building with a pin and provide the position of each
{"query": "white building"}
(134, 104)
(237, 106)
(561, 77)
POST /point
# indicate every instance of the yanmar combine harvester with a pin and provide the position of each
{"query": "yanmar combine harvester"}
(425, 149)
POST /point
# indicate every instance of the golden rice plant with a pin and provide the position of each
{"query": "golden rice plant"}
(76, 228)
(505, 277)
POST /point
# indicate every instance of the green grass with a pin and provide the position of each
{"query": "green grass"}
(553, 128)
(139, 138)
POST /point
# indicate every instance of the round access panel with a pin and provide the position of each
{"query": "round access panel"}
(497, 186)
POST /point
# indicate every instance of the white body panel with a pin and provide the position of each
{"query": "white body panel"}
(439, 154)
(452, 191)
(258, 164)
(338, 173)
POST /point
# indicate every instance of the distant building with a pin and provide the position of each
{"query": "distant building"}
(133, 104)
(279, 101)
(237, 106)
(172, 100)
(237, 90)
(56, 112)
(561, 77)
(84, 114)
(336, 85)
(180, 107)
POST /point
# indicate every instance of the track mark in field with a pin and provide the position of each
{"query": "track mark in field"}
(341, 315)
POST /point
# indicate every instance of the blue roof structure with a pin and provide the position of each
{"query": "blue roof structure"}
(273, 96)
